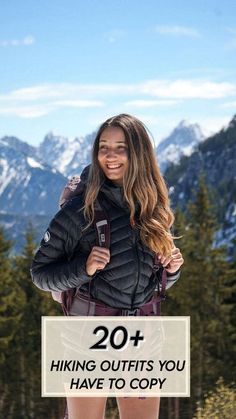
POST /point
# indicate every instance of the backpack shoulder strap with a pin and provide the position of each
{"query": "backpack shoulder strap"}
(101, 222)
(73, 188)
(102, 229)
(101, 225)
(156, 267)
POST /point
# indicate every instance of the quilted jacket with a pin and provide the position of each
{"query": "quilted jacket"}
(60, 262)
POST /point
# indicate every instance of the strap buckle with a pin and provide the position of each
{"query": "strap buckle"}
(127, 312)
(156, 267)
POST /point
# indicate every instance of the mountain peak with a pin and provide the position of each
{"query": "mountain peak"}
(68, 155)
(50, 137)
(184, 124)
(191, 126)
(18, 145)
(183, 134)
(181, 141)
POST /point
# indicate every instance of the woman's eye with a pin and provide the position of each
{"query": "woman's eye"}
(118, 148)
(122, 148)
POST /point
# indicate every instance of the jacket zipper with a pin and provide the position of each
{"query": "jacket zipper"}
(138, 275)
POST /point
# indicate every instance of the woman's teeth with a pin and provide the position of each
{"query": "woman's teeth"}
(113, 166)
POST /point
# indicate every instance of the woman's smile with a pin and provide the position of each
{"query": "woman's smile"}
(113, 166)
(113, 154)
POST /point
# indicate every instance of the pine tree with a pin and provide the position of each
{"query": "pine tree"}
(220, 403)
(202, 293)
(231, 301)
(25, 349)
(11, 303)
(11, 299)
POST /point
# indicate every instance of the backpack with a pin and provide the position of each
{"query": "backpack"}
(101, 224)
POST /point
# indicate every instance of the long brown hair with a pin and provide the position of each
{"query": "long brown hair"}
(142, 184)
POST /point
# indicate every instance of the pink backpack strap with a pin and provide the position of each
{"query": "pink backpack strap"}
(74, 187)
(157, 265)
(102, 229)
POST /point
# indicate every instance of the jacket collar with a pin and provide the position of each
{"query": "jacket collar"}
(114, 193)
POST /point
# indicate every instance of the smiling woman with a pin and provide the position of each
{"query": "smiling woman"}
(113, 154)
(125, 181)
(123, 153)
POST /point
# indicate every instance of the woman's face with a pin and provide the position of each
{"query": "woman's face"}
(113, 154)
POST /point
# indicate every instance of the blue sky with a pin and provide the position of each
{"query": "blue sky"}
(66, 66)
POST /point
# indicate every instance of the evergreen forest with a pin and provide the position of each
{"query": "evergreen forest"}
(206, 291)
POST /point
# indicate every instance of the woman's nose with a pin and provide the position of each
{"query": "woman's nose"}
(110, 153)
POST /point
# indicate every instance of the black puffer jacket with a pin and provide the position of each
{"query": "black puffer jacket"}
(59, 264)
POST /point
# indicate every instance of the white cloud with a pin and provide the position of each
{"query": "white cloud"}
(28, 40)
(33, 93)
(39, 100)
(36, 111)
(188, 89)
(166, 89)
(26, 112)
(177, 31)
(67, 91)
(150, 103)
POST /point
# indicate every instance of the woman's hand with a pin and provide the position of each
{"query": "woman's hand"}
(172, 262)
(98, 259)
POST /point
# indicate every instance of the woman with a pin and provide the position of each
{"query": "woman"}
(125, 178)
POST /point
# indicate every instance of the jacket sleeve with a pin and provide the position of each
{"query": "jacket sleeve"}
(52, 268)
(172, 278)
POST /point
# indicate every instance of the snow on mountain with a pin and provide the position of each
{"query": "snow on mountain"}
(68, 155)
(31, 179)
(19, 145)
(27, 185)
(215, 157)
(33, 163)
(182, 141)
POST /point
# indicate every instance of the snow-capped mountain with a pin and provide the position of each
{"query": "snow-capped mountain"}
(19, 145)
(181, 142)
(215, 157)
(68, 155)
(31, 179)
(27, 185)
